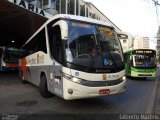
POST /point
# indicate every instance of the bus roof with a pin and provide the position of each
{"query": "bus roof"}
(80, 18)
(71, 17)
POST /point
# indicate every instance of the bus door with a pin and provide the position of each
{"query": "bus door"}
(130, 63)
(149, 61)
(56, 51)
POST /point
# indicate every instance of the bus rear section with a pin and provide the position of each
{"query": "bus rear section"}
(141, 63)
(78, 58)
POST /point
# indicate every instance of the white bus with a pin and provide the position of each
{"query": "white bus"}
(74, 57)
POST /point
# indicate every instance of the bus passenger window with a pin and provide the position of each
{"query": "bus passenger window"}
(130, 60)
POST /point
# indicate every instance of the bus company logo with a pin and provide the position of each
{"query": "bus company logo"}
(40, 59)
(110, 76)
(37, 58)
(31, 61)
(114, 76)
(104, 76)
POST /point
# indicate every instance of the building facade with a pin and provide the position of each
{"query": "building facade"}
(158, 45)
(73, 7)
(141, 42)
(145, 42)
(126, 40)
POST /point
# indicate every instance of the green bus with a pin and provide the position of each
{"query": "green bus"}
(140, 63)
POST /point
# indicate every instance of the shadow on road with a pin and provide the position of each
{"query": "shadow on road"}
(149, 79)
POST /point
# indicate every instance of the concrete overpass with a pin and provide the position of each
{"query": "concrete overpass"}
(18, 21)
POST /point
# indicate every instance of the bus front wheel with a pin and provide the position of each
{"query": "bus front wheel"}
(43, 87)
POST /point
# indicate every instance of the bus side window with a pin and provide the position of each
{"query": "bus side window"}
(41, 41)
(37, 43)
(56, 44)
(130, 61)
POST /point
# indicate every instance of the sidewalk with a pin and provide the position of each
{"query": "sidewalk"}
(157, 107)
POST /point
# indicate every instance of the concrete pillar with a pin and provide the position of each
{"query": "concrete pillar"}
(66, 7)
(88, 13)
(85, 10)
(60, 6)
(79, 8)
(75, 8)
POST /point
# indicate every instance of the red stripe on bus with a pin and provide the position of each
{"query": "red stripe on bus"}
(11, 65)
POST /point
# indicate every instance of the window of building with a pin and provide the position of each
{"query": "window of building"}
(45, 2)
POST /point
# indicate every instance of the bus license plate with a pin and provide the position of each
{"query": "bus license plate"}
(105, 91)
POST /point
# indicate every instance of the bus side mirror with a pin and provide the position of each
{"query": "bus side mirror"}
(64, 34)
(64, 29)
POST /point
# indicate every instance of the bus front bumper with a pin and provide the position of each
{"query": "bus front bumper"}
(143, 74)
(76, 91)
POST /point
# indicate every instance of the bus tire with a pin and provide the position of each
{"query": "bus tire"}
(24, 81)
(43, 88)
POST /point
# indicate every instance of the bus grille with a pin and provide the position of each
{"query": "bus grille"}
(102, 83)
(144, 75)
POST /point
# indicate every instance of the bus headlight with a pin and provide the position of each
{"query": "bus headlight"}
(73, 79)
(77, 80)
(123, 78)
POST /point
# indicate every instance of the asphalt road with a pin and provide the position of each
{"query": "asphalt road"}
(18, 98)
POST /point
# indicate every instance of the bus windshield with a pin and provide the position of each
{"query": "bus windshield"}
(93, 47)
(11, 56)
(141, 60)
